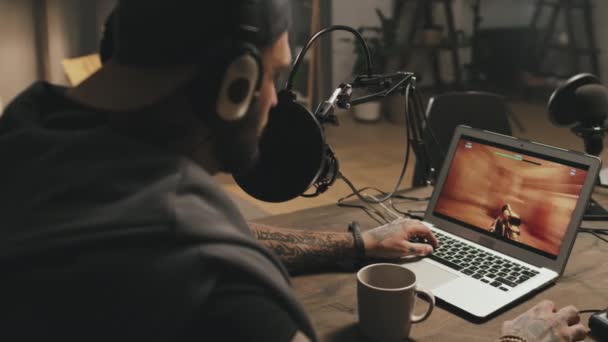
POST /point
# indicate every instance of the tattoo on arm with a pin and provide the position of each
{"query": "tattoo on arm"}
(303, 251)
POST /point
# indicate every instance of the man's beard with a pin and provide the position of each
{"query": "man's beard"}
(237, 150)
(236, 146)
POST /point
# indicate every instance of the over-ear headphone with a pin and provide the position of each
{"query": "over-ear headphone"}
(237, 61)
(240, 81)
(241, 77)
(234, 84)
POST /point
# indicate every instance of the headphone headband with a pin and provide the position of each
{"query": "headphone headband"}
(149, 28)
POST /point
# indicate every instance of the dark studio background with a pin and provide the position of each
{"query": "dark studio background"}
(37, 35)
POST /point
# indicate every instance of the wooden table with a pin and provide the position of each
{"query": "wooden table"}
(330, 298)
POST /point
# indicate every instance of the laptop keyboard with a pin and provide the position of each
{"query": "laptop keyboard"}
(479, 264)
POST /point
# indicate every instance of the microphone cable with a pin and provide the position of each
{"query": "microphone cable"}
(408, 134)
(300, 57)
(372, 212)
(595, 232)
(417, 116)
(427, 127)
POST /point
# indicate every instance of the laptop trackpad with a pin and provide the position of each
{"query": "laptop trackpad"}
(430, 276)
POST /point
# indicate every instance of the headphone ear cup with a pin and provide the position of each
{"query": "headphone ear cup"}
(239, 85)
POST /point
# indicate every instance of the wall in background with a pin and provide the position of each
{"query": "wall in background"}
(103, 9)
(500, 13)
(496, 13)
(36, 35)
(18, 65)
(352, 13)
(63, 39)
(602, 35)
(74, 29)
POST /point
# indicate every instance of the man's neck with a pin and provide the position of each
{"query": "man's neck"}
(127, 91)
(120, 88)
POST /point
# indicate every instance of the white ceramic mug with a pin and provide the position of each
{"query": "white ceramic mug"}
(386, 294)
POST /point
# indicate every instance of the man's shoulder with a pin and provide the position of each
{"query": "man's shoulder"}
(203, 208)
(39, 93)
(240, 309)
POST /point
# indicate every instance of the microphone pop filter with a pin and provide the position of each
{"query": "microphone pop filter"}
(292, 150)
(563, 105)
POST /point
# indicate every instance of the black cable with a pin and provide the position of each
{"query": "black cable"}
(599, 237)
(414, 119)
(300, 57)
(411, 198)
(363, 189)
(594, 234)
(593, 230)
(427, 126)
(408, 213)
(398, 210)
(368, 210)
(425, 129)
(590, 311)
(382, 220)
(419, 119)
(383, 193)
(405, 163)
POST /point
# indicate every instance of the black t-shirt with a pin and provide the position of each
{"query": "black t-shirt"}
(104, 237)
(136, 293)
(240, 312)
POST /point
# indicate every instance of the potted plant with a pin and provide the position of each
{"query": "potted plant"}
(371, 111)
(387, 47)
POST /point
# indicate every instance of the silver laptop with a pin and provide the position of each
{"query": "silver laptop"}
(506, 212)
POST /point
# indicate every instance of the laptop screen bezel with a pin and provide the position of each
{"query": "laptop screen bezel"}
(556, 264)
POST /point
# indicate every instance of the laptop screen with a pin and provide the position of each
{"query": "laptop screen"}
(520, 197)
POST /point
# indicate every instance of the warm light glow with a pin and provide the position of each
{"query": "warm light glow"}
(80, 68)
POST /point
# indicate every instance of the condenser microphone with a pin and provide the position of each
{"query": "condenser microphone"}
(294, 155)
(582, 104)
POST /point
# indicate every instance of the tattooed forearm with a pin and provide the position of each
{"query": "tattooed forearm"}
(303, 251)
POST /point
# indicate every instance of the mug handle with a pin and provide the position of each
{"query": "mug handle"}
(428, 296)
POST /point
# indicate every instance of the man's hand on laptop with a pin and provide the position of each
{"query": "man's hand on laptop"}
(400, 238)
(545, 323)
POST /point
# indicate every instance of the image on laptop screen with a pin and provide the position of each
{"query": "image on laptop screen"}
(522, 198)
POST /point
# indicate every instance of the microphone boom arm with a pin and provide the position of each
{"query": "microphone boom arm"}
(381, 87)
(388, 85)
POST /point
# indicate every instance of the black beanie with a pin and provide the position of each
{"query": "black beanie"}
(172, 32)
